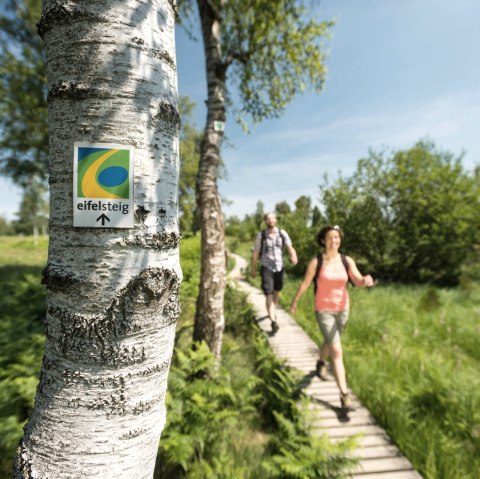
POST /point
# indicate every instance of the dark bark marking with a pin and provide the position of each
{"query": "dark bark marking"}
(65, 14)
(166, 111)
(67, 90)
(154, 287)
(76, 377)
(174, 7)
(157, 241)
(158, 368)
(22, 468)
(58, 279)
(134, 433)
(165, 57)
(138, 41)
(114, 404)
(141, 213)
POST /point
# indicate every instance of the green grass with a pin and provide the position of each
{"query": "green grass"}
(239, 424)
(412, 356)
(238, 247)
(22, 309)
(21, 250)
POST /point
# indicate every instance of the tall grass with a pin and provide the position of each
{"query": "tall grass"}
(241, 421)
(22, 309)
(413, 357)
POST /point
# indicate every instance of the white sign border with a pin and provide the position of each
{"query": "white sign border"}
(82, 144)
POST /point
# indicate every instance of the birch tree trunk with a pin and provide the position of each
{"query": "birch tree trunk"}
(209, 318)
(112, 293)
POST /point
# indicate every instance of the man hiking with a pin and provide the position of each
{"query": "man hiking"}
(268, 247)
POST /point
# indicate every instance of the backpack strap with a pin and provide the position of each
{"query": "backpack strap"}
(262, 242)
(317, 272)
(347, 266)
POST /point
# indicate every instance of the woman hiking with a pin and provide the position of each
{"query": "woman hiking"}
(330, 273)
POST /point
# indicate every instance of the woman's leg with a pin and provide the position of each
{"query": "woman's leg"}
(324, 352)
(336, 354)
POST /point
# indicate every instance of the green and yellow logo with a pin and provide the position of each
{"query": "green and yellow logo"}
(103, 173)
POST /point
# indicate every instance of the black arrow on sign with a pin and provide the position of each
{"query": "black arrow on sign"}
(103, 217)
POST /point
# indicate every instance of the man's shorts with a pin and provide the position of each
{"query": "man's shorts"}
(332, 324)
(271, 281)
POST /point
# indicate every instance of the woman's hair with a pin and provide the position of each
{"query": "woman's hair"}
(323, 232)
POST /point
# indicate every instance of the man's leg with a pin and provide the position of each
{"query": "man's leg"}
(270, 297)
(277, 287)
(271, 306)
(271, 309)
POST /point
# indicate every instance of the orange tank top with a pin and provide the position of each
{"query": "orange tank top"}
(332, 294)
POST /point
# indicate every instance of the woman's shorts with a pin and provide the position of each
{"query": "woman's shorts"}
(332, 324)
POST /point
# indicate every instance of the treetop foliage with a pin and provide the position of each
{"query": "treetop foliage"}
(411, 216)
(23, 107)
(274, 50)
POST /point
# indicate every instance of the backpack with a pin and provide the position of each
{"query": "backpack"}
(264, 238)
(319, 267)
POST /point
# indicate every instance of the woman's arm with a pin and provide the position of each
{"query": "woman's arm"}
(309, 274)
(355, 275)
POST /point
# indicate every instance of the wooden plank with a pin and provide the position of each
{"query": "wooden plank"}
(326, 413)
(347, 431)
(370, 440)
(379, 458)
(388, 464)
(380, 451)
(389, 475)
(328, 423)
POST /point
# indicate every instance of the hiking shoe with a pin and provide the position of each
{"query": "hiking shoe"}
(321, 370)
(346, 401)
(275, 327)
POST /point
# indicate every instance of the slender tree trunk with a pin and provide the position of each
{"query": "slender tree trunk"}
(112, 293)
(209, 318)
(35, 233)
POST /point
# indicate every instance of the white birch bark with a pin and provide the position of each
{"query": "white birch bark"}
(112, 293)
(209, 316)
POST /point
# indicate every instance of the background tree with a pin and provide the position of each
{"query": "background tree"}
(112, 293)
(303, 209)
(317, 218)
(33, 213)
(189, 156)
(5, 227)
(270, 51)
(282, 209)
(259, 214)
(410, 216)
(23, 106)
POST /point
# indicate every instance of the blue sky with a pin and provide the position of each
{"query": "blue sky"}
(398, 71)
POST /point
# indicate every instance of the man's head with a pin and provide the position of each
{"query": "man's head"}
(270, 220)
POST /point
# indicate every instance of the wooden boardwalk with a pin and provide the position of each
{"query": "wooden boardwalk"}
(378, 457)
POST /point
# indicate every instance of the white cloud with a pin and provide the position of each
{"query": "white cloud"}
(285, 163)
